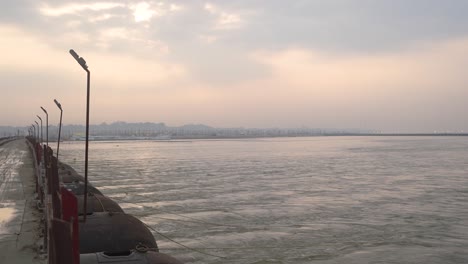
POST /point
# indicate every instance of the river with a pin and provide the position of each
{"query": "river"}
(292, 200)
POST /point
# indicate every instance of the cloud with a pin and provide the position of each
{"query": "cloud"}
(110, 27)
(416, 90)
(342, 26)
(26, 52)
(32, 67)
(312, 69)
(30, 53)
(387, 91)
(210, 8)
(318, 63)
(132, 37)
(144, 11)
(73, 8)
(175, 7)
(207, 38)
(102, 17)
(229, 21)
(224, 20)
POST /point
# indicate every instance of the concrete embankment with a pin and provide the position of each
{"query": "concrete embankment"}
(20, 220)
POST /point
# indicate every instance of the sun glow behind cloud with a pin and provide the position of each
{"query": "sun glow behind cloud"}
(142, 12)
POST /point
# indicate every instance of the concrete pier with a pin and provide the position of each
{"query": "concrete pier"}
(20, 220)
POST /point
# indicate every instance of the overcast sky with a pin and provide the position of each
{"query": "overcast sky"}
(390, 65)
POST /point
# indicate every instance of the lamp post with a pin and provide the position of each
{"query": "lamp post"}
(37, 130)
(34, 131)
(47, 125)
(42, 139)
(60, 126)
(82, 63)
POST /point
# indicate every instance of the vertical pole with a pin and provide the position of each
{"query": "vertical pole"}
(37, 124)
(42, 139)
(47, 129)
(86, 148)
(47, 125)
(60, 130)
(82, 63)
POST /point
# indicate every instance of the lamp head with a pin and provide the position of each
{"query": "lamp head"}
(58, 104)
(79, 59)
(44, 110)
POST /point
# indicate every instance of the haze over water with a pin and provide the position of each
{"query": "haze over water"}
(292, 200)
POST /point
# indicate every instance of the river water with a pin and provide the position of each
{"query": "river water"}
(292, 200)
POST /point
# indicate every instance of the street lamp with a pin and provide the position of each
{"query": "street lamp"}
(37, 130)
(60, 126)
(82, 63)
(42, 139)
(47, 125)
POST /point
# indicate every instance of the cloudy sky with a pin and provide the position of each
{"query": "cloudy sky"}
(390, 65)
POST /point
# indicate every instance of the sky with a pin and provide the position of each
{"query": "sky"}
(388, 65)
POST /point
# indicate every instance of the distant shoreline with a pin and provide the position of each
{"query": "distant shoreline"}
(298, 136)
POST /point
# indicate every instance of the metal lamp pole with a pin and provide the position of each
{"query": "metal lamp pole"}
(42, 139)
(60, 126)
(47, 125)
(37, 130)
(82, 63)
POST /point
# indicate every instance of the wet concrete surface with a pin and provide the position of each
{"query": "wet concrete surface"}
(19, 218)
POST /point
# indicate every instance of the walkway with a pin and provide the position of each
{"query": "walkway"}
(19, 218)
